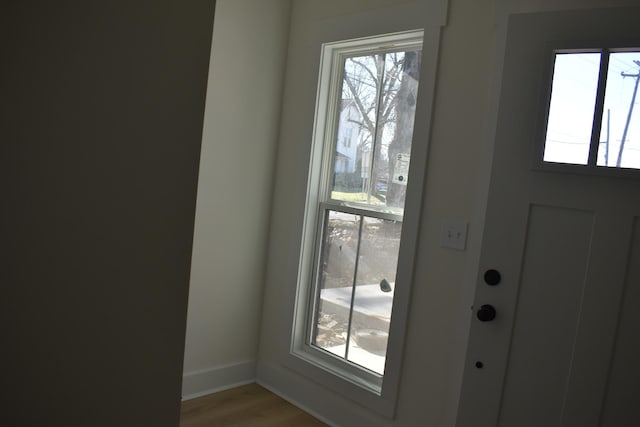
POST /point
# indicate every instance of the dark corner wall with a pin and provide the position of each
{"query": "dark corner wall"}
(100, 132)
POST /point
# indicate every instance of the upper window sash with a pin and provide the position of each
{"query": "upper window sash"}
(334, 75)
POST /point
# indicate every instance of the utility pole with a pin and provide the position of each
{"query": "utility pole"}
(606, 154)
(633, 101)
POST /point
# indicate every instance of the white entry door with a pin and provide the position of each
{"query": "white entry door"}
(555, 334)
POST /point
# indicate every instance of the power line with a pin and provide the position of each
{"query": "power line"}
(627, 66)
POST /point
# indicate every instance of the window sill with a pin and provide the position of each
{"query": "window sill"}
(342, 377)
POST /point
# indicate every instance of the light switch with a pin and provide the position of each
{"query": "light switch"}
(454, 235)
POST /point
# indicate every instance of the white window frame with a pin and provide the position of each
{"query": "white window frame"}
(591, 168)
(374, 391)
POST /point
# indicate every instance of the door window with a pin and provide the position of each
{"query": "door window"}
(592, 117)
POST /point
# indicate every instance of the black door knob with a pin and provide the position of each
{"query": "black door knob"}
(486, 313)
(492, 277)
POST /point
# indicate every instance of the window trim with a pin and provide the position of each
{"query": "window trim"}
(591, 168)
(371, 390)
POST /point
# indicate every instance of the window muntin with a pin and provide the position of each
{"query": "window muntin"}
(370, 109)
(591, 117)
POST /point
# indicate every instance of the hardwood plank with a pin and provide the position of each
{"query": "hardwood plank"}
(246, 406)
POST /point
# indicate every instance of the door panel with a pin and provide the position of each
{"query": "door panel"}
(547, 314)
(598, 320)
(560, 351)
(621, 408)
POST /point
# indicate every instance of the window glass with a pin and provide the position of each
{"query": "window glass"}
(620, 131)
(335, 281)
(572, 106)
(375, 125)
(357, 279)
(373, 294)
(575, 97)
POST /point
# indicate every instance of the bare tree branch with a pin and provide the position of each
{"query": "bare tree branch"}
(369, 124)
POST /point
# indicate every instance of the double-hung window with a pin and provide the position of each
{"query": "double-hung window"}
(355, 203)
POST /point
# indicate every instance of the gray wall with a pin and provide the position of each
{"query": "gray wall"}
(101, 127)
(458, 169)
(241, 122)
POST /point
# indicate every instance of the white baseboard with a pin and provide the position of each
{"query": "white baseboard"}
(211, 380)
(326, 405)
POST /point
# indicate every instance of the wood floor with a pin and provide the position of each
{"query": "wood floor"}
(246, 406)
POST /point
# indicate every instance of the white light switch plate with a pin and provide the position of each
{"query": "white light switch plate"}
(454, 234)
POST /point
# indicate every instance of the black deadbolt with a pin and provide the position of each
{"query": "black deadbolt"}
(492, 277)
(486, 313)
